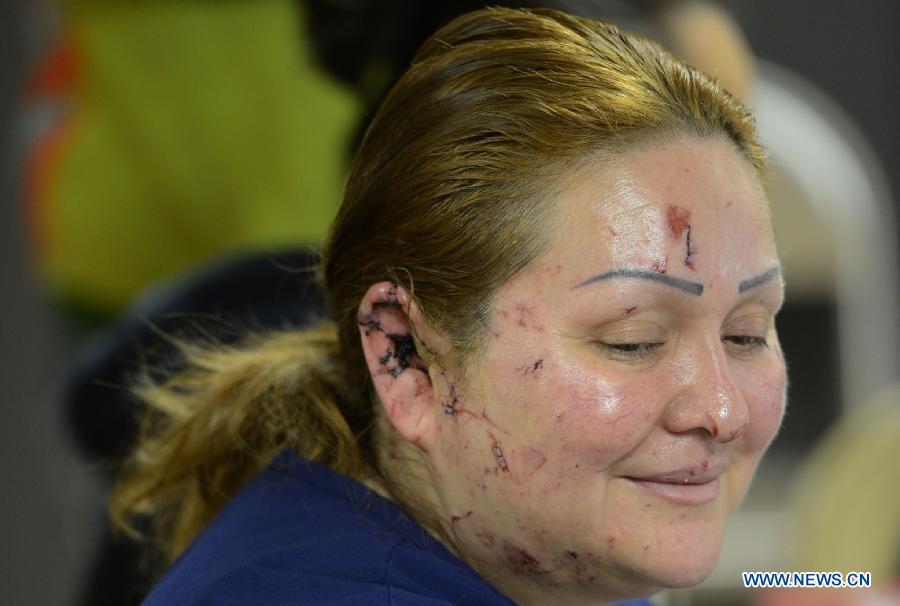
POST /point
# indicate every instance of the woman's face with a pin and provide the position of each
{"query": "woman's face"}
(632, 380)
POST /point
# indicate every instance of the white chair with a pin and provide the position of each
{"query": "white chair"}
(815, 145)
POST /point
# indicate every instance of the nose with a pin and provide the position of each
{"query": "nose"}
(710, 399)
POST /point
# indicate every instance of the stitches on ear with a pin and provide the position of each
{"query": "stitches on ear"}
(403, 350)
(403, 346)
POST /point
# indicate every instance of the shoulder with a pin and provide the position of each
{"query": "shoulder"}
(277, 580)
(310, 536)
(344, 570)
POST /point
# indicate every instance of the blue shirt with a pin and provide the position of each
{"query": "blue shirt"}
(299, 533)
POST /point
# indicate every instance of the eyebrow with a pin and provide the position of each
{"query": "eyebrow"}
(693, 288)
(762, 278)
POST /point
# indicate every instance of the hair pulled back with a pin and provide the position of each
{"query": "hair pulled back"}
(448, 196)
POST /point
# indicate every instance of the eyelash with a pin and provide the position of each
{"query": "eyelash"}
(748, 344)
(631, 351)
(640, 351)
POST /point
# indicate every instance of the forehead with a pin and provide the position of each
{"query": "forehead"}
(650, 207)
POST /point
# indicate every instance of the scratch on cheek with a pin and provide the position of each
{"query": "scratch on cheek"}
(582, 576)
(497, 451)
(451, 400)
(485, 536)
(485, 416)
(456, 519)
(531, 368)
(532, 460)
(610, 405)
(527, 316)
(552, 268)
(482, 417)
(520, 560)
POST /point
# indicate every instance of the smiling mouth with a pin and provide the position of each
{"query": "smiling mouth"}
(682, 494)
(695, 485)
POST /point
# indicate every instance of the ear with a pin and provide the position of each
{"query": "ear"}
(387, 321)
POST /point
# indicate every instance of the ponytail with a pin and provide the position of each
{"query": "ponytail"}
(210, 427)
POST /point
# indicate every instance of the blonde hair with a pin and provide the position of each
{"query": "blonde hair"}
(447, 196)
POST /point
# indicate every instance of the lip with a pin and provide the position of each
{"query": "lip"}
(692, 485)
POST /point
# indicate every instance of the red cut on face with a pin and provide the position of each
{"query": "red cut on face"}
(677, 218)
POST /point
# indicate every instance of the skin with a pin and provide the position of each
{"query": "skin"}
(557, 462)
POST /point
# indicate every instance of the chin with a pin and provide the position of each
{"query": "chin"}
(650, 577)
(678, 555)
(666, 545)
(682, 568)
(689, 574)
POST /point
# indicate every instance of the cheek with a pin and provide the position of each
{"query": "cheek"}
(584, 419)
(765, 395)
(565, 416)
(763, 391)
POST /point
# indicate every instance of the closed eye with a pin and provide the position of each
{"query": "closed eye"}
(745, 345)
(630, 351)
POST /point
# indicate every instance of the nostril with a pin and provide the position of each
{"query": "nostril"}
(713, 426)
(731, 422)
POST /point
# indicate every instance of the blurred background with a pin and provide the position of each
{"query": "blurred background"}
(165, 158)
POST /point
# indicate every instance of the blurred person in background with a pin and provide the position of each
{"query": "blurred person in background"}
(179, 132)
(166, 135)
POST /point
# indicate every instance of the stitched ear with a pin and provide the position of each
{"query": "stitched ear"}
(399, 374)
